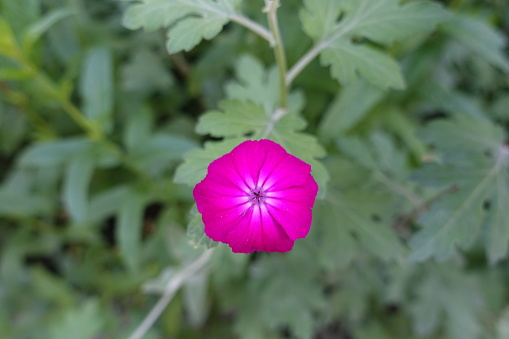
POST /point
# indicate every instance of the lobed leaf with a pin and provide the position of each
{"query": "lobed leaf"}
(349, 62)
(254, 83)
(319, 17)
(276, 281)
(448, 298)
(190, 21)
(349, 107)
(333, 25)
(475, 161)
(239, 118)
(385, 21)
(476, 35)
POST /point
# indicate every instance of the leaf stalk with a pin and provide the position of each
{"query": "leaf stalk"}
(254, 27)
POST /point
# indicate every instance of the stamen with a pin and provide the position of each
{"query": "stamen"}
(257, 196)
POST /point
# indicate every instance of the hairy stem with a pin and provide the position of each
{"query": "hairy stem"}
(254, 27)
(279, 51)
(169, 292)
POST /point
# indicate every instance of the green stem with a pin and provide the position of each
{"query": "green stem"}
(74, 113)
(279, 52)
(253, 26)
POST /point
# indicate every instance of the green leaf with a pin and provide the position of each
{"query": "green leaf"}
(474, 160)
(158, 152)
(484, 40)
(128, 230)
(319, 17)
(448, 298)
(239, 118)
(497, 232)
(254, 83)
(454, 221)
(22, 204)
(403, 127)
(195, 231)
(500, 107)
(138, 127)
(349, 61)
(78, 176)
(60, 152)
(36, 30)
(463, 134)
(337, 247)
(190, 20)
(259, 85)
(53, 153)
(145, 73)
(64, 41)
(83, 322)
(277, 280)
(349, 107)
(451, 100)
(106, 203)
(381, 21)
(378, 154)
(96, 87)
(385, 21)
(374, 237)
(357, 213)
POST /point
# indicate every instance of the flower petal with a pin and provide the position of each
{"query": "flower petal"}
(289, 172)
(304, 194)
(258, 231)
(218, 223)
(211, 195)
(249, 158)
(223, 170)
(295, 218)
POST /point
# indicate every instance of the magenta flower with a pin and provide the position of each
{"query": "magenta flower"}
(257, 198)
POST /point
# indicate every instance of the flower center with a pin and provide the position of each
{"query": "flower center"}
(257, 196)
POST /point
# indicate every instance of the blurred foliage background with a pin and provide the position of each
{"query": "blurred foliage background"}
(95, 119)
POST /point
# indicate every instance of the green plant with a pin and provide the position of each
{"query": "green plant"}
(400, 108)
